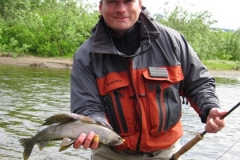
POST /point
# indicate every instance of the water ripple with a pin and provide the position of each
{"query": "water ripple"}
(29, 95)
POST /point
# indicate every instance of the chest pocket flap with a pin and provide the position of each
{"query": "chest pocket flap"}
(112, 81)
(169, 74)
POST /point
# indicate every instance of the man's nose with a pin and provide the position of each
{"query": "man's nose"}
(121, 7)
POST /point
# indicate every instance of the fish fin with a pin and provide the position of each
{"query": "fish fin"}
(28, 145)
(66, 143)
(86, 119)
(58, 118)
(67, 117)
(41, 145)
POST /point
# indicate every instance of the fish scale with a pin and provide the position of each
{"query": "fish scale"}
(68, 127)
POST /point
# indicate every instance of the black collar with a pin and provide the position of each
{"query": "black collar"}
(103, 42)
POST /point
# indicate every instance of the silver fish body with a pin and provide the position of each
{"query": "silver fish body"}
(73, 129)
(68, 128)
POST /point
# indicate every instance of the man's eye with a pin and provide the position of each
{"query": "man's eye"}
(128, 1)
(116, 1)
(111, 1)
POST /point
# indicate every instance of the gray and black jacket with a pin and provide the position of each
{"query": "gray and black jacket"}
(135, 82)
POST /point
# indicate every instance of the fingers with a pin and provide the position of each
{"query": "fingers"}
(216, 112)
(221, 113)
(214, 125)
(87, 141)
(79, 141)
(95, 141)
(214, 120)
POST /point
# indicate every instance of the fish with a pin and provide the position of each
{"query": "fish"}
(67, 127)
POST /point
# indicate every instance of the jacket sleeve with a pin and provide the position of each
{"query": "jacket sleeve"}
(85, 98)
(198, 85)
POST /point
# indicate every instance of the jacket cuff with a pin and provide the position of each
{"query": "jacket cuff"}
(205, 114)
(100, 118)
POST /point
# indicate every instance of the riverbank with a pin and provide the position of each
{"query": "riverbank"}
(41, 62)
(66, 63)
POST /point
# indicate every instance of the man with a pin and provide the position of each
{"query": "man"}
(130, 74)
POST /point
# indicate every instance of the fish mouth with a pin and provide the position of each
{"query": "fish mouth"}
(121, 142)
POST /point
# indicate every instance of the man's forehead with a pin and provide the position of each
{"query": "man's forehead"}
(117, 0)
(125, 1)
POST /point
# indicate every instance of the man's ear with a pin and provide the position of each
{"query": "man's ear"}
(140, 4)
(100, 7)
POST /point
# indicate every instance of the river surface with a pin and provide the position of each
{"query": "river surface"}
(29, 95)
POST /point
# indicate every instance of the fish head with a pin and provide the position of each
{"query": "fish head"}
(114, 139)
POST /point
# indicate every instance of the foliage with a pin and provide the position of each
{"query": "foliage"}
(58, 27)
(209, 43)
(221, 64)
(45, 28)
(233, 46)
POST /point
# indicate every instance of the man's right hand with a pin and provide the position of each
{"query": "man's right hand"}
(87, 141)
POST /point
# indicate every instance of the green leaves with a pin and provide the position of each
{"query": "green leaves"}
(59, 27)
(209, 43)
(45, 28)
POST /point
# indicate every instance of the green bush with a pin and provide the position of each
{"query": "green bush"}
(209, 43)
(59, 27)
(49, 28)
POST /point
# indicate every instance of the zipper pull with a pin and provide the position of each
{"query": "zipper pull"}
(119, 93)
(183, 100)
(158, 90)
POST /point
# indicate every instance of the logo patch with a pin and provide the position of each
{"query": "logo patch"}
(114, 81)
(158, 72)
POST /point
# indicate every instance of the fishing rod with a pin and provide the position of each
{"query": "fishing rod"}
(197, 138)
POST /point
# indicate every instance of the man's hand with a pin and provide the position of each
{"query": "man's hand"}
(87, 141)
(214, 121)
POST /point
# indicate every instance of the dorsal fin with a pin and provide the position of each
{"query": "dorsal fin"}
(67, 117)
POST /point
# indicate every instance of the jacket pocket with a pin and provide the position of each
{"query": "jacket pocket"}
(164, 105)
(119, 102)
(174, 106)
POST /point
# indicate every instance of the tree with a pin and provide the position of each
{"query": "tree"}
(196, 28)
(46, 28)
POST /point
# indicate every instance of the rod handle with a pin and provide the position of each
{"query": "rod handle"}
(187, 146)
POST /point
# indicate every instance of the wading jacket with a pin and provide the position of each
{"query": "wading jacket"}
(139, 94)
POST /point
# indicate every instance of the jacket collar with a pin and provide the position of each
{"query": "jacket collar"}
(102, 43)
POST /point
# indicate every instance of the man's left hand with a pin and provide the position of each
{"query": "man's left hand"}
(214, 121)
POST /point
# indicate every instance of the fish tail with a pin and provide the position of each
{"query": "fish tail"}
(28, 145)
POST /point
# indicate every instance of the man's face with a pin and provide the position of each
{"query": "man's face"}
(120, 15)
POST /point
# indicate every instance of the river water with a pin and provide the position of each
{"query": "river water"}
(29, 95)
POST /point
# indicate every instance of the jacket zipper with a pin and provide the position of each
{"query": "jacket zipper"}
(111, 114)
(166, 102)
(137, 99)
(120, 111)
(160, 112)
